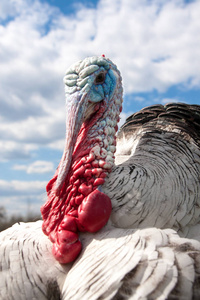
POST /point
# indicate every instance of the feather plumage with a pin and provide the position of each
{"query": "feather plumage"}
(156, 179)
(153, 186)
(115, 264)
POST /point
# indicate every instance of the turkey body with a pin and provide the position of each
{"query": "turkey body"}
(115, 264)
(134, 225)
(156, 181)
(124, 263)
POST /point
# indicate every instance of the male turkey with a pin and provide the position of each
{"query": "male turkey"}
(116, 208)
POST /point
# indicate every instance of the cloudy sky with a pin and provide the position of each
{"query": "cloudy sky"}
(155, 44)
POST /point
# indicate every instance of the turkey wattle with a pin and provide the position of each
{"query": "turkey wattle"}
(153, 184)
(75, 202)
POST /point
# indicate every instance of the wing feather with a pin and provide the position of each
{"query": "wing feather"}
(115, 264)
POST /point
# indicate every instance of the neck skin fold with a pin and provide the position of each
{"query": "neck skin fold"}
(91, 161)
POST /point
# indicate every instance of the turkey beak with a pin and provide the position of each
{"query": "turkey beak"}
(75, 114)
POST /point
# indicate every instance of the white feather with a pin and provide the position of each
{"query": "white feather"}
(127, 263)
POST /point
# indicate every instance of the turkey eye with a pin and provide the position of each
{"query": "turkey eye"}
(100, 78)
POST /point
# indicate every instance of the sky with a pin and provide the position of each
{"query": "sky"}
(155, 44)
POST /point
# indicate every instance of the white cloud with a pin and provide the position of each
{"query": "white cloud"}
(168, 100)
(123, 117)
(154, 43)
(39, 166)
(22, 197)
(58, 144)
(139, 98)
(14, 187)
(27, 205)
(10, 150)
(36, 130)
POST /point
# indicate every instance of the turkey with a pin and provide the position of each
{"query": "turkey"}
(114, 227)
(115, 263)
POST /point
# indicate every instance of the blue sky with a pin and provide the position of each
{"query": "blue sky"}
(154, 43)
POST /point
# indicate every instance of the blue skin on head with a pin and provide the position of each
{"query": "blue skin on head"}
(101, 91)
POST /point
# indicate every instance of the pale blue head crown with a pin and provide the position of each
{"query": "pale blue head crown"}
(80, 77)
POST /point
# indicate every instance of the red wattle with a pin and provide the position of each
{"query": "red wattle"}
(65, 253)
(94, 212)
(77, 205)
(66, 236)
(68, 223)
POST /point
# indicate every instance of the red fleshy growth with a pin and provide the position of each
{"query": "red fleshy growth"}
(77, 205)
(67, 247)
(68, 222)
(98, 181)
(94, 212)
(85, 189)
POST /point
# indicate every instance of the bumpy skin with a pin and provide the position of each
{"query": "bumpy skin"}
(75, 201)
